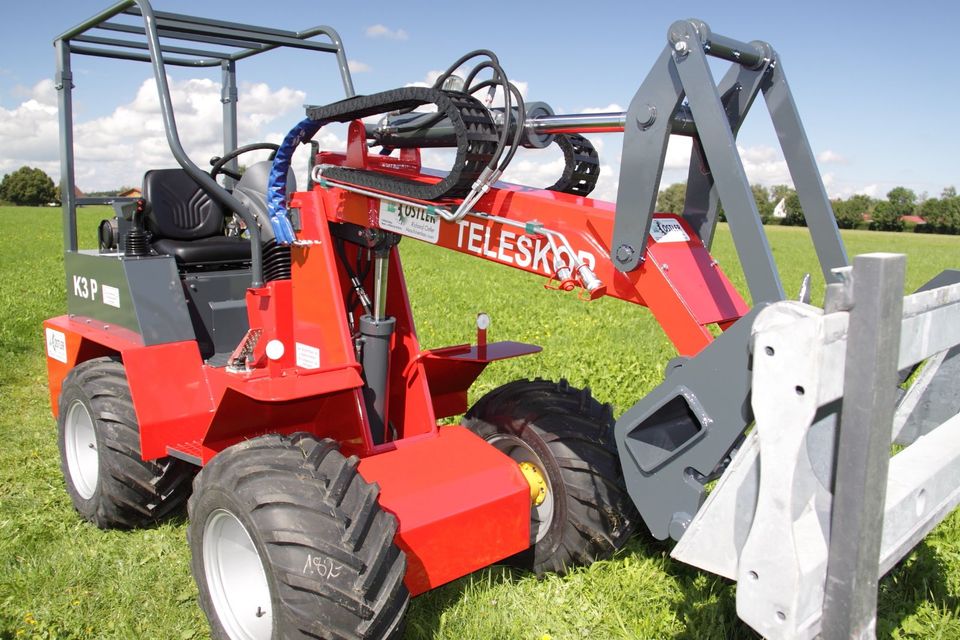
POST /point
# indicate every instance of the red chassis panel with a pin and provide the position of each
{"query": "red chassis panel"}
(460, 504)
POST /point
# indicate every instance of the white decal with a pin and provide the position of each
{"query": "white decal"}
(57, 345)
(111, 296)
(84, 287)
(308, 357)
(409, 221)
(668, 230)
(526, 251)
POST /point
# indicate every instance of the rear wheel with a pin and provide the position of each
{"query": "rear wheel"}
(99, 439)
(563, 441)
(289, 541)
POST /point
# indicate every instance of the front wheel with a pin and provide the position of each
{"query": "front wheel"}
(288, 541)
(562, 439)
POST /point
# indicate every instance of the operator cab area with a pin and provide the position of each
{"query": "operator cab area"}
(181, 257)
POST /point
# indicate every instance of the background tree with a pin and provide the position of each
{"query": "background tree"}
(886, 217)
(949, 192)
(764, 205)
(670, 200)
(887, 214)
(902, 200)
(942, 215)
(27, 186)
(779, 191)
(849, 212)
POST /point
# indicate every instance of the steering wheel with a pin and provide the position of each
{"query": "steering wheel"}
(218, 164)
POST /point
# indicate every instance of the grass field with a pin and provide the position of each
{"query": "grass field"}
(63, 578)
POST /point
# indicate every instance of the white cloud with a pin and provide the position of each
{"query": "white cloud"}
(428, 80)
(29, 132)
(830, 157)
(358, 67)
(764, 165)
(613, 107)
(118, 148)
(382, 31)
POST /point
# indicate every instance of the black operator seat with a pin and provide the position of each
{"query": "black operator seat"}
(188, 224)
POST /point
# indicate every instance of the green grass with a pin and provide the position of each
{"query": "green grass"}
(63, 578)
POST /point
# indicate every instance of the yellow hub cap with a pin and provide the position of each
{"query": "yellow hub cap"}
(538, 484)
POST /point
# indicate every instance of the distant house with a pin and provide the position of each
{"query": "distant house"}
(77, 193)
(911, 219)
(133, 192)
(780, 211)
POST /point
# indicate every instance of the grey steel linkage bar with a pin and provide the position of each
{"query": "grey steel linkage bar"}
(802, 164)
(751, 55)
(739, 89)
(730, 178)
(130, 44)
(863, 448)
(140, 57)
(200, 177)
(68, 196)
(647, 130)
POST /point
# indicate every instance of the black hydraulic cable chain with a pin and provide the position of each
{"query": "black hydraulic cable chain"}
(477, 139)
(581, 165)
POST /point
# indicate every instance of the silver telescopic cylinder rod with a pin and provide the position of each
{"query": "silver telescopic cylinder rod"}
(611, 122)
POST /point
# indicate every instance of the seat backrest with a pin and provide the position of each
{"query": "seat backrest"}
(177, 208)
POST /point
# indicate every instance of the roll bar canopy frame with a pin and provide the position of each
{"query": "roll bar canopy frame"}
(159, 42)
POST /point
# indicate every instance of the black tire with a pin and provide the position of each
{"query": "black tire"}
(572, 435)
(127, 491)
(325, 546)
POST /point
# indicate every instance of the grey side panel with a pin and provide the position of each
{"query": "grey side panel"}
(217, 306)
(673, 440)
(140, 294)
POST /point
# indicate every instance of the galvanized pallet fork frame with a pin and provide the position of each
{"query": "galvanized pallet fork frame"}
(813, 510)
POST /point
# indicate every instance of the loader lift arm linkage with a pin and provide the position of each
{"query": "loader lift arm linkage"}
(301, 358)
(682, 434)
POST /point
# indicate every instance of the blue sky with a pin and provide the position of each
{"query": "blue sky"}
(876, 87)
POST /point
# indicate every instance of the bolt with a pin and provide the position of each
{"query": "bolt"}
(624, 253)
(261, 612)
(666, 267)
(680, 46)
(645, 120)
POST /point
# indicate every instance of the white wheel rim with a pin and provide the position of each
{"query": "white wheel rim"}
(80, 443)
(541, 515)
(235, 578)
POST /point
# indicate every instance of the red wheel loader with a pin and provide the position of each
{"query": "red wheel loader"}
(247, 347)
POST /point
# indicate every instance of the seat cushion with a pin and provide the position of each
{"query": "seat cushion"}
(205, 251)
(178, 208)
